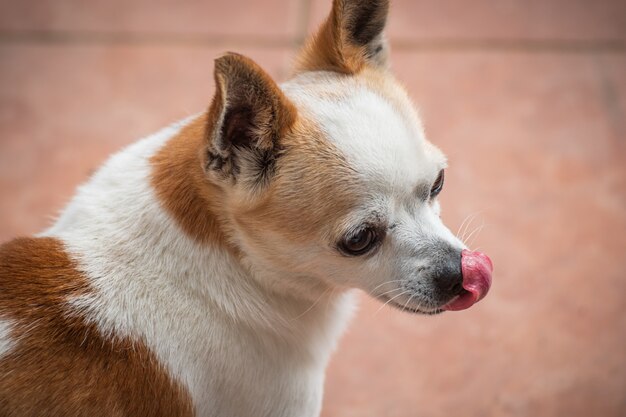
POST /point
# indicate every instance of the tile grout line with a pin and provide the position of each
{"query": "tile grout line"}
(137, 38)
(513, 45)
(202, 40)
(609, 94)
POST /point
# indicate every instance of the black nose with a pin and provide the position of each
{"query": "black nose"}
(448, 274)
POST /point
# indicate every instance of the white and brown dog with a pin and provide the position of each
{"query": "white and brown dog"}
(205, 270)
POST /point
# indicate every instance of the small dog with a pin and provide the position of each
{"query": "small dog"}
(205, 270)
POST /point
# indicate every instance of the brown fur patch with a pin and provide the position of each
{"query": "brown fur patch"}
(59, 364)
(180, 177)
(314, 187)
(182, 186)
(202, 209)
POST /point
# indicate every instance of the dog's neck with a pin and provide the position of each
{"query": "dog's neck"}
(199, 208)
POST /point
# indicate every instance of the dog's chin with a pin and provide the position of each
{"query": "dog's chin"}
(410, 309)
(417, 310)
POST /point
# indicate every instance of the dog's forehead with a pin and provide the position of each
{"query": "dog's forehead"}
(372, 122)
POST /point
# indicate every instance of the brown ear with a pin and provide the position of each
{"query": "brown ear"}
(351, 37)
(247, 118)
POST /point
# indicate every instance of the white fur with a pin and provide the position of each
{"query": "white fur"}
(237, 345)
(383, 140)
(7, 343)
(385, 145)
(238, 348)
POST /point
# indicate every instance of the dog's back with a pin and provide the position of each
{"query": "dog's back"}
(52, 359)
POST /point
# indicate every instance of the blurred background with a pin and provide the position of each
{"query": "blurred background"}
(527, 98)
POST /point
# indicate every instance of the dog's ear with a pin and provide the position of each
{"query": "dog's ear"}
(247, 118)
(351, 37)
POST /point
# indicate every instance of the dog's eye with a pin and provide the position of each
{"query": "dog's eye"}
(360, 242)
(438, 185)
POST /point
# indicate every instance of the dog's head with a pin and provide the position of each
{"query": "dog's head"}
(328, 179)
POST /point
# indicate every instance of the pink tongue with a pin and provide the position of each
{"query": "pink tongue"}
(476, 268)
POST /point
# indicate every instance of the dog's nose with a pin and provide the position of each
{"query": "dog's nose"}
(449, 277)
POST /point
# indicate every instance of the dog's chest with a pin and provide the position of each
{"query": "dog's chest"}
(228, 368)
(257, 387)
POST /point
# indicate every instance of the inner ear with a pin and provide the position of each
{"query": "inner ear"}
(237, 127)
(246, 121)
(365, 20)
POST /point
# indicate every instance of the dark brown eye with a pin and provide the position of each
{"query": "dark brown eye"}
(359, 242)
(437, 185)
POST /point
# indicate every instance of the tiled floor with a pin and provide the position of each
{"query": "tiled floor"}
(528, 99)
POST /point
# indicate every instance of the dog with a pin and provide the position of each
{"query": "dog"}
(208, 269)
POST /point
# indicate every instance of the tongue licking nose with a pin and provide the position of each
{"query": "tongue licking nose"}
(476, 268)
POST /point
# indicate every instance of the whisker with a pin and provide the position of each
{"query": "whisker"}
(312, 305)
(330, 298)
(477, 230)
(419, 304)
(468, 225)
(463, 223)
(387, 282)
(392, 290)
(408, 301)
(388, 301)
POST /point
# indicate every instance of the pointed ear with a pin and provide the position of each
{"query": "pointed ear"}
(351, 37)
(246, 121)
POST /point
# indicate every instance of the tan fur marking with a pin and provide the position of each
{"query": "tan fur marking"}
(317, 167)
(326, 50)
(343, 42)
(198, 205)
(60, 365)
(182, 186)
(195, 199)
